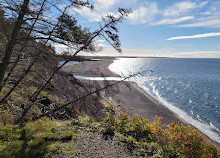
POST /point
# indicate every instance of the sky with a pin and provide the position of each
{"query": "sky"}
(161, 28)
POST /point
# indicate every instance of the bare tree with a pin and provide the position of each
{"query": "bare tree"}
(113, 39)
(12, 42)
(33, 26)
(23, 47)
(37, 26)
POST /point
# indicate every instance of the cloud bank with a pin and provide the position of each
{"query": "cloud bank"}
(179, 8)
(196, 36)
(205, 13)
(215, 23)
(165, 52)
(173, 21)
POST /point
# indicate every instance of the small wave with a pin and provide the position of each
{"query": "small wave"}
(211, 125)
(208, 129)
(175, 91)
(203, 127)
(188, 85)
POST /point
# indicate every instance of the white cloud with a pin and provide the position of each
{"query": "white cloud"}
(143, 14)
(101, 43)
(173, 21)
(202, 4)
(89, 14)
(164, 52)
(179, 8)
(60, 48)
(104, 4)
(196, 36)
(206, 13)
(101, 9)
(205, 23)
(147, 12)
(198, 54)
(93, 15)
(209, 17)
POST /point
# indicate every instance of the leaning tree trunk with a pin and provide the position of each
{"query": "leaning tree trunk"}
(11, 44)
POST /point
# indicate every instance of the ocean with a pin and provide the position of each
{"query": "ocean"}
(188, 87)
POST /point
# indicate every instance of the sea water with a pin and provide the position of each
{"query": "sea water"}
(189, 87)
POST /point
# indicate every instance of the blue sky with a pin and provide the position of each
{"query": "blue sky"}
(165, 28)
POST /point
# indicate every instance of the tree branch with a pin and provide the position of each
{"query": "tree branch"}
(11, 44)
(83, 97)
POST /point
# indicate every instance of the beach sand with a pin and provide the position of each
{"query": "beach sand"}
(128, 96)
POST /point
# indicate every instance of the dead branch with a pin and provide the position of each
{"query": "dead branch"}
(84, 96)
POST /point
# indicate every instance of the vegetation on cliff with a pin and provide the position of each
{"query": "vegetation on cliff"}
(138, 136)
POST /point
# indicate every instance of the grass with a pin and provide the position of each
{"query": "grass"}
(48, 138)
(41, 138)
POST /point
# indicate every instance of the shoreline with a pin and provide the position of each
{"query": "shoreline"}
(129, 96)
(168, 115)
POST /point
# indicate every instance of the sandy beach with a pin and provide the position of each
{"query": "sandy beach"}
(129, 96)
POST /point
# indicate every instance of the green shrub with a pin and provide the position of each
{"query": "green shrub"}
(9, 132)
(174, 140)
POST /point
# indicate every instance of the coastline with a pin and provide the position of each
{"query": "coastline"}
(128, 96)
